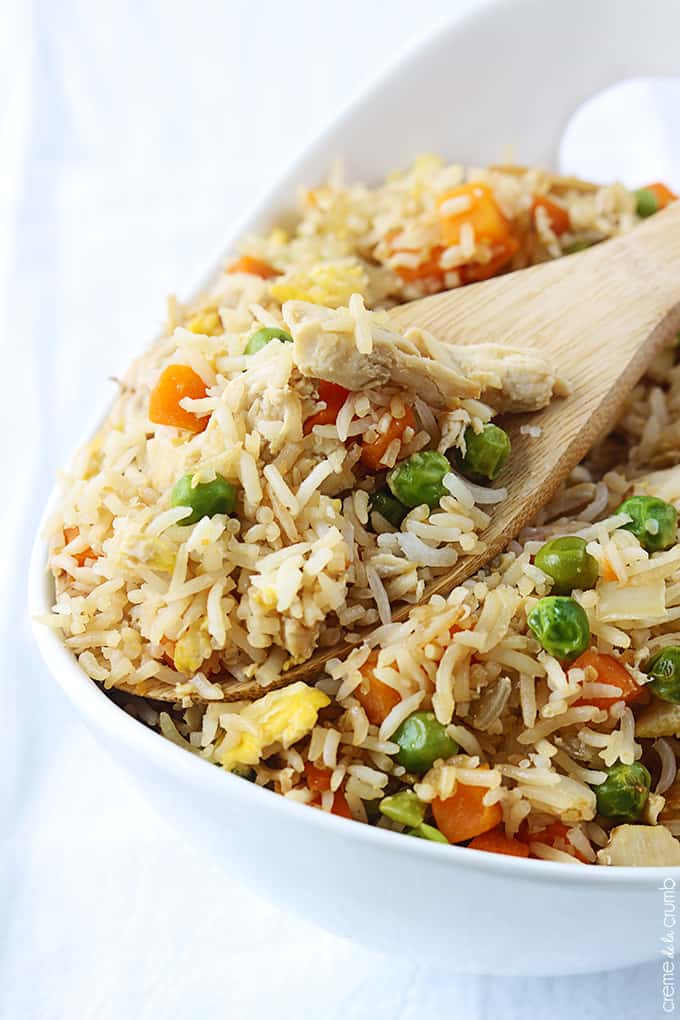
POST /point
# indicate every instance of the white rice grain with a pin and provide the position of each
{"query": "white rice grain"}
(401, 711)
(280, 488)
(669, 765)
(313, 481)
(380, 595)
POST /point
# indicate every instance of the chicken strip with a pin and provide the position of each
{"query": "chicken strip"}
(326, 348)
(664, 484)
(651, 846)
(658, 719)
(510, 380)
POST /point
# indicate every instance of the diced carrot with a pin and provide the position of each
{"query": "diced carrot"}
(174, 383)
(489, 224)
(376, 698)
(340, 806)
(334, 397)
(474, 272)
(609, 671)
(428, 269)
(317, 779)
(490, 227)
(496, 842)
(372, 453)
(256, 267)
(463, 816)
(85, 554)
(482, 214)
(662, 194)
(558, 217)
(554, 835)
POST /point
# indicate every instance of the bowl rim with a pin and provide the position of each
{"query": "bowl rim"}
(100, 711)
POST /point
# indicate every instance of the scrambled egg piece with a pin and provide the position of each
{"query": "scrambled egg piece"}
(422, 168)
(283, 717)
(207, 322)
(156, 553)
(279, 236)
(331, 284)
(649, 845)
(192, 649)
(267, 598)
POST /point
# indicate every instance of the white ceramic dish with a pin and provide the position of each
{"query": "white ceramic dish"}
(509, 74)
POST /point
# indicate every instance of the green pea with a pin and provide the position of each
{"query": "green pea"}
(422, 739)
(624, 792)
(561, 626)
(403, 807)
(206, 499)
(485, 453)
(576, 246)
(243, 772)
(262, 337)
(653, 521)
(384, 503)
(664, 668)
(424, 831)
(419, 479)
(566, 561)
(646, 203)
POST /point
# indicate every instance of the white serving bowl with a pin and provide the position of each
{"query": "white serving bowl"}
(508, 75)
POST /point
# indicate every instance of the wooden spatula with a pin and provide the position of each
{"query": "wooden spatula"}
(601, 317)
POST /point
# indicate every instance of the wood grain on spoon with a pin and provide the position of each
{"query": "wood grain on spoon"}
(600, 317)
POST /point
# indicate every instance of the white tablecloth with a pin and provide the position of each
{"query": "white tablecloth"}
(131, 133)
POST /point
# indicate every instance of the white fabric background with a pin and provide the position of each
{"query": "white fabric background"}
(130, 135)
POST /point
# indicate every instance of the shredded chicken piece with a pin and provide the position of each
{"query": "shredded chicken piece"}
(641, 845)
(659, 719)
(325, 348)
(509, 379)
(663, 484)
(654, 805)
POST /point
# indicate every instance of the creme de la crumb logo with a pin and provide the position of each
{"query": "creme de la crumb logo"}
(667, 887)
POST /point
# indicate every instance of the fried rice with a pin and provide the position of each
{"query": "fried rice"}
(165, 612)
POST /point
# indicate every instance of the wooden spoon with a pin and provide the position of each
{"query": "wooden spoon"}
(600, 317)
